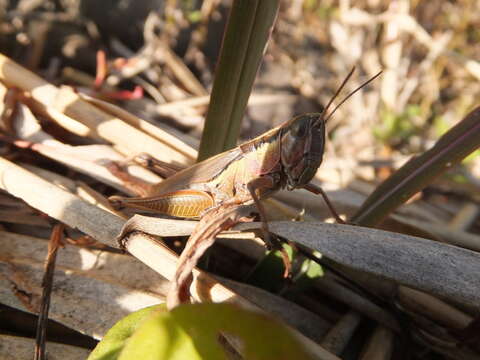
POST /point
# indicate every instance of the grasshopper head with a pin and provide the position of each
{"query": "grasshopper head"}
(303, 140)
(302, 144)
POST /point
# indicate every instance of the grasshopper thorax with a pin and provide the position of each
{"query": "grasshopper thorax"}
(302, 145)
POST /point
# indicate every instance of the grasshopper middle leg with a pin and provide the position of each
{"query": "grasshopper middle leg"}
(319, 191)
(272, 243)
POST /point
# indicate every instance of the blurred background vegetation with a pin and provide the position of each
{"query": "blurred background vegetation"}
(428, 51)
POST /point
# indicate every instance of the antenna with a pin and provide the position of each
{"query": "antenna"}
(353, 92)
(342, 85)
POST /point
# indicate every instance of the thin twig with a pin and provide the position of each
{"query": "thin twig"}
(47, 284)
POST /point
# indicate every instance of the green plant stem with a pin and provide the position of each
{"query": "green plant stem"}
(246, 36)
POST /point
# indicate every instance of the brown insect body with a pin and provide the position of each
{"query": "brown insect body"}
(287, 155)
(216, 189)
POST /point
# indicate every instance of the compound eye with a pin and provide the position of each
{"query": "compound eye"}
(301, 129)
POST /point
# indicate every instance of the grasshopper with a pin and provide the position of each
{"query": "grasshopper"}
(287, 156)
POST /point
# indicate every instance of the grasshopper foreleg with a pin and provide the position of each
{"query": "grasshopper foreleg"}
(319, 191)
(271, 242)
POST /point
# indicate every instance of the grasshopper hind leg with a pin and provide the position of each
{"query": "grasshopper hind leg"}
(181, 203)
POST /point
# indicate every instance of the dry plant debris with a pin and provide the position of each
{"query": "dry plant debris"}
(85, 92)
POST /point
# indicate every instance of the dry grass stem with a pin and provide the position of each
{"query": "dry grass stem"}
(446, 233)
(307, 322)
(340, 334)
(334, 290)
(409, 260)
(380, 346)
(90, 97)
(56, 241)
(147, 127)
(433, 308)
(71, 104)
(466, 217)
(14, 347)
(80, 276)
(104, 227)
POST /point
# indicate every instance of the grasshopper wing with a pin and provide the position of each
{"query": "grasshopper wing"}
(199, 173)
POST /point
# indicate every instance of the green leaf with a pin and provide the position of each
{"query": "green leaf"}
(162, 337)
(114, 341)
(193, 332)
(418, 172)
(269, 271)
(397, 127)
(246, 36)
(310, 271)
(472, 156)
